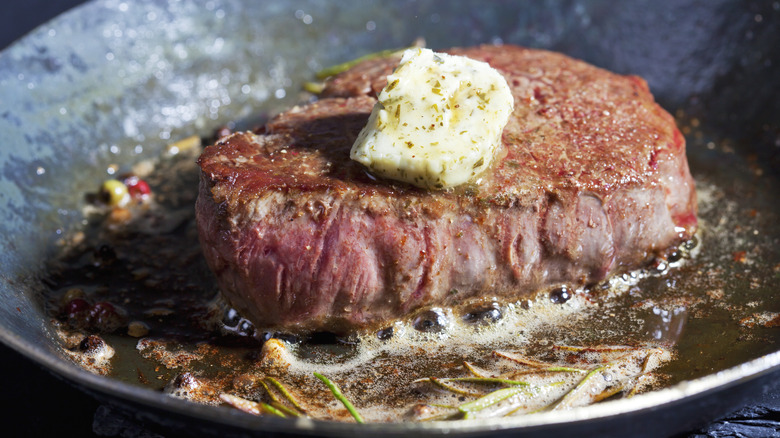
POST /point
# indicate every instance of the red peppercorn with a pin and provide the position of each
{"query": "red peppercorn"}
(138, 188)
(76, 307)
(105, 317)
(102, 310)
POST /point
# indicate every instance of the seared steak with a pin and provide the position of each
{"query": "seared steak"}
(593, 181)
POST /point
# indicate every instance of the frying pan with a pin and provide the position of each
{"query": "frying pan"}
(112, 82)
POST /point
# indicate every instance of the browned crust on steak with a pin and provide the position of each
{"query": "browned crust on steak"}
(593, 181)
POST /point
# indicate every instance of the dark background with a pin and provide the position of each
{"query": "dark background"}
(18, 17)
(39, 404)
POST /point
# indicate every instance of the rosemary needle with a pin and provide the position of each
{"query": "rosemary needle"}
(440, 383)
(565, 370)
(487, 380)
(551, 370)
(268, 391)
(472, 369)
(573, 392)
(272, 410)
(340, 397)
(314, 87)
(344, 66)
(284, 409)
(494, 397)
(285, 393)
(522, 360)
(597, 349)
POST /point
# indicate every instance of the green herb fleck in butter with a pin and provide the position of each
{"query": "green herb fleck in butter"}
(438, 122)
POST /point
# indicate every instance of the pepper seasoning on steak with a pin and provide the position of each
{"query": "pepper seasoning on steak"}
(592, 180)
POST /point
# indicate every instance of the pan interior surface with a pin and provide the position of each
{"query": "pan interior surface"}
(110, 84)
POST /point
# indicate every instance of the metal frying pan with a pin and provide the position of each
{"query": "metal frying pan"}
(92, 86)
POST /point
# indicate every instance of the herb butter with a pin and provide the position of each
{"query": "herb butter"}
(437, 123)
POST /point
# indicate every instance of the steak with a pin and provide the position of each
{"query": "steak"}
(592, 181)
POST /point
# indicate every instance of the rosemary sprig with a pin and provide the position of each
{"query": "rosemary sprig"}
(522, 360)
(487, 380)
(441, 384)
(344, 66)
(318, 87)
(607, 393)
(635, 389)
(551, 370)
(272, 410)
(473, 370)
(643, 373)
(314, 87)
(270, 393)
(540, 366)
(569, 396)
(470, 408)
(596, 349)
(513, 411)
(284, 392)
(287, 411)
(340, 397)
(500, 401)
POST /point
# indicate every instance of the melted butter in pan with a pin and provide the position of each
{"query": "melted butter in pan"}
(132, 298)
